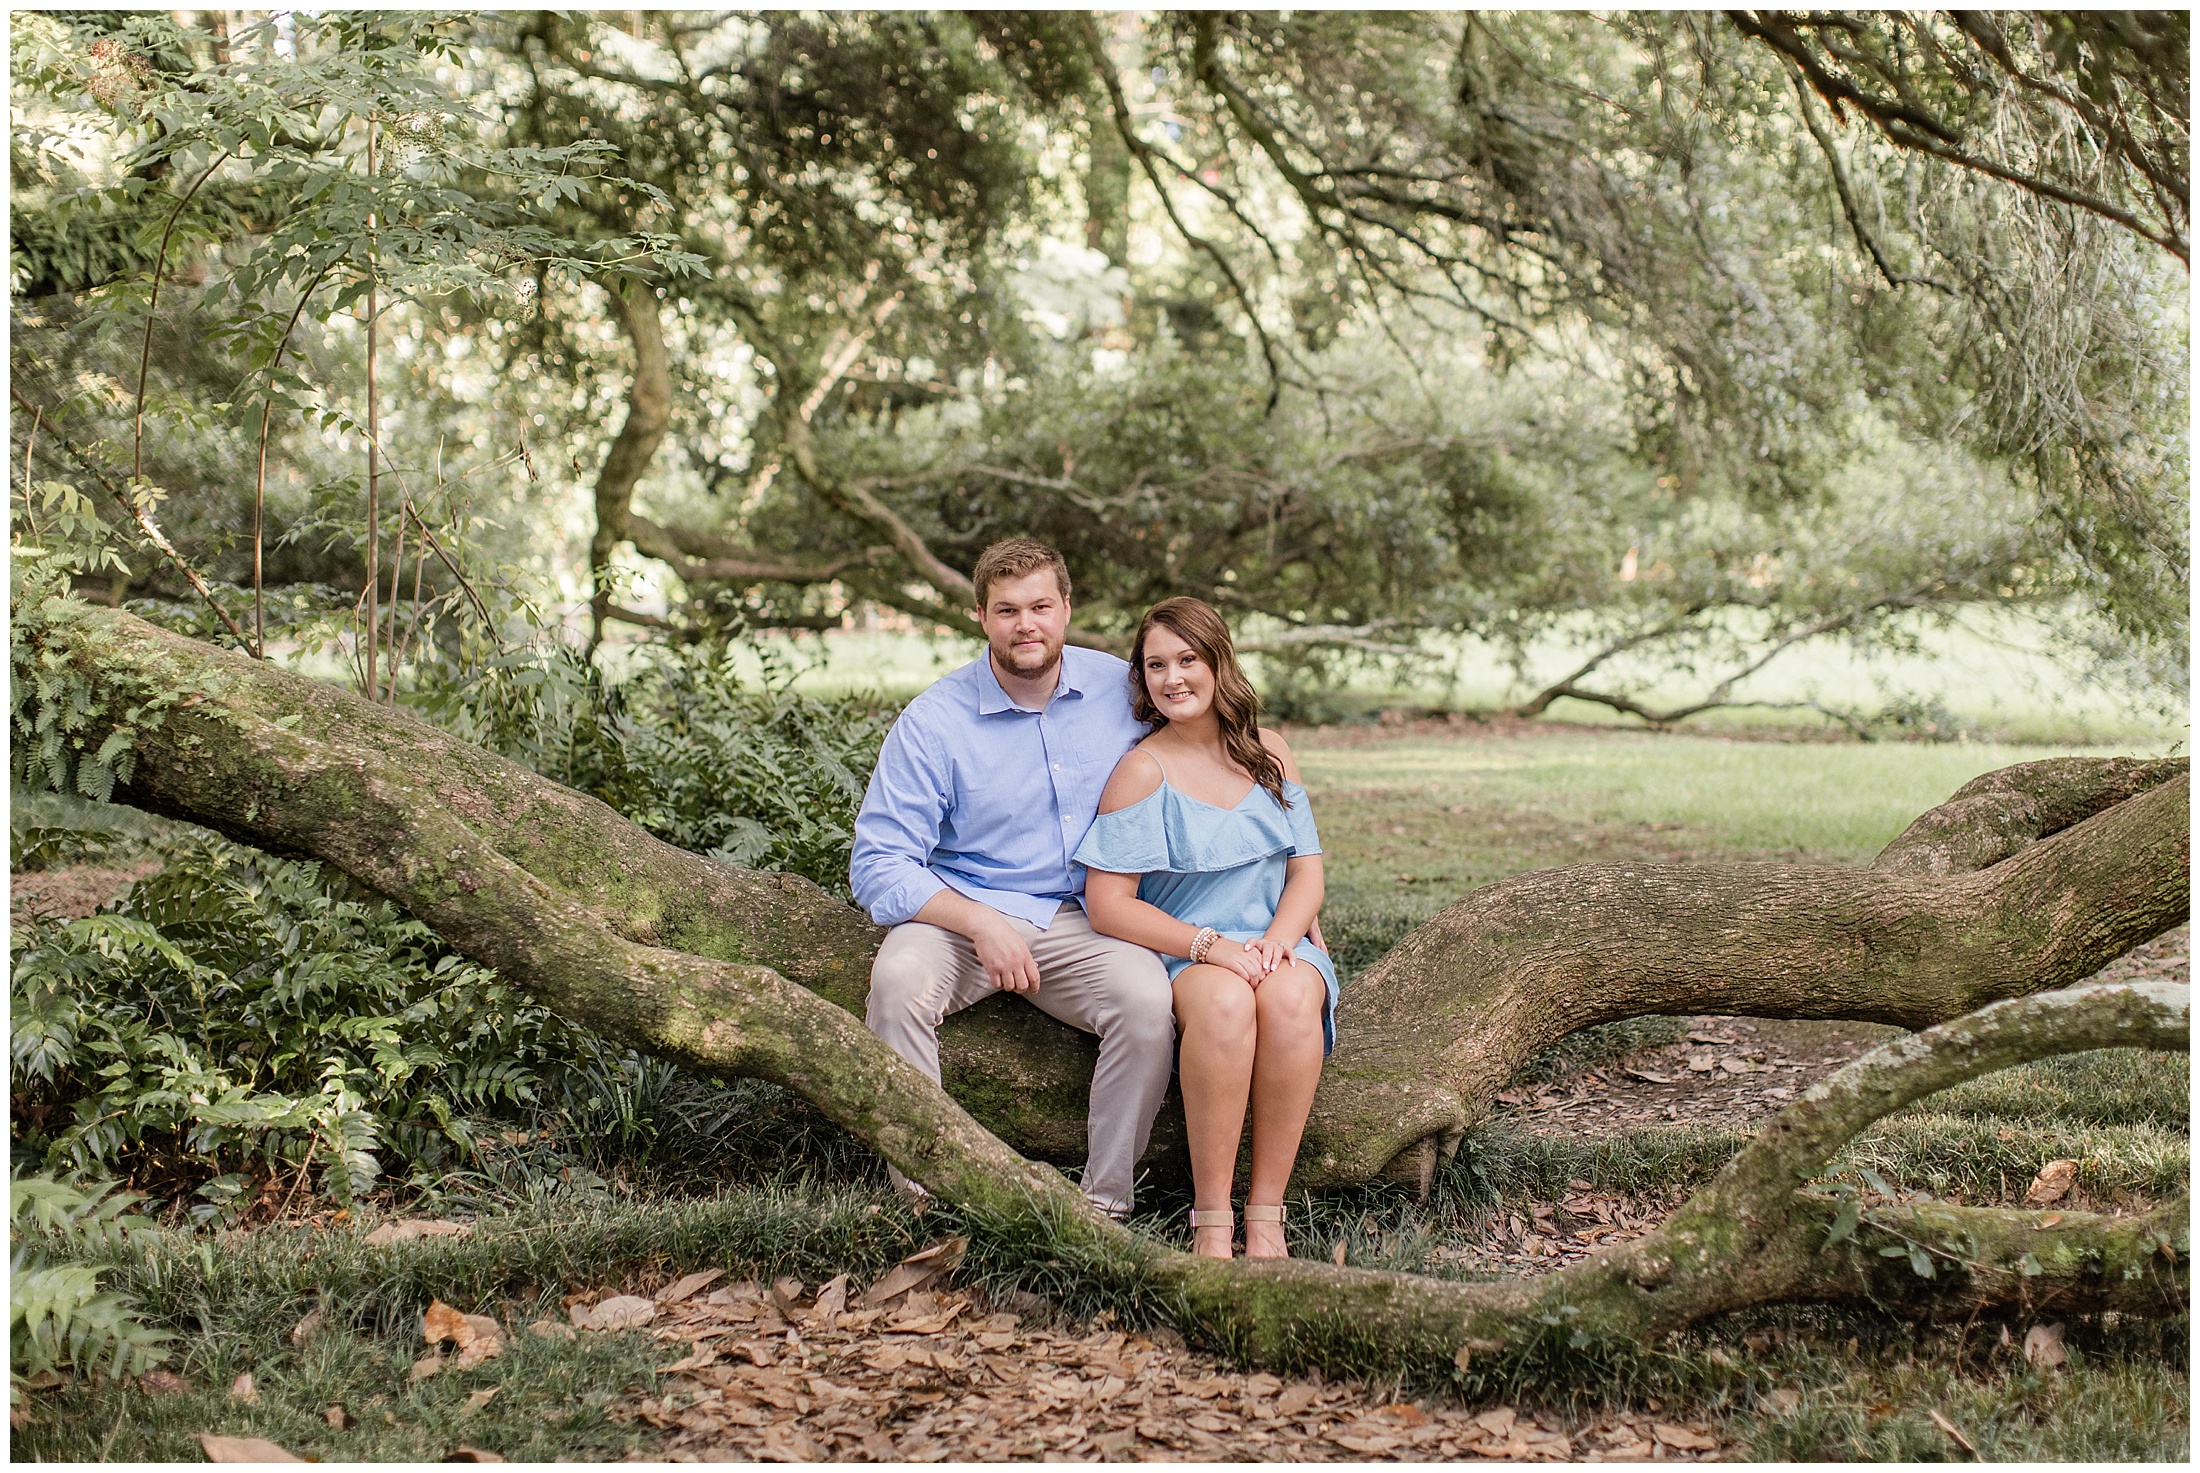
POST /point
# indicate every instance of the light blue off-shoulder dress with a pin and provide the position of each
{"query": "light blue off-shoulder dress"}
(1212, 866)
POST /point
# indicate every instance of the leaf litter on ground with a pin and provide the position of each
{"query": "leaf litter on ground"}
(924, 1372)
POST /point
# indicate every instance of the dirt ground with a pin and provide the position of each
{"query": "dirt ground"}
(73, 891)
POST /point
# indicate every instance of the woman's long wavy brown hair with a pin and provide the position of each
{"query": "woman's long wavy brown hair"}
(1237, 704)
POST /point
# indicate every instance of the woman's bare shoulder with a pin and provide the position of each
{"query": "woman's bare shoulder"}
(1137, 777)
(1281, 749)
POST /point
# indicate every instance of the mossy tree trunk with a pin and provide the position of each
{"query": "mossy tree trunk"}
(2028, 878)
(737, 973)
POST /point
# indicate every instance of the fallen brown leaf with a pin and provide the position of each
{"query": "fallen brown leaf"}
(306, 1328)
(484, 1341)
(917, 1270)
(620, 1312)
(1682, 1437)
(2052, 1184)
(1783, 1402)
(338, 1418)
(550, 1330)
(688, 1286)
(161, 1383)
(482, 1398)
(423, 1368)
(1498, 1421)
(694, 1362)
(831, 1300)
(472, 1455)
(2043, 1346)
(243, 1391)
(244, 1450)
(399, 1232)
(442, 1323)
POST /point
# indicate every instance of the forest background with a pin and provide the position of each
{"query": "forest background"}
(565, 379)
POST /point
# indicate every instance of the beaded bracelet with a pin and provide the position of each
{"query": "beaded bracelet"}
(1203, 943)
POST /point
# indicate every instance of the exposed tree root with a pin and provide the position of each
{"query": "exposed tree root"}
(585, 912)
(1427, 1036)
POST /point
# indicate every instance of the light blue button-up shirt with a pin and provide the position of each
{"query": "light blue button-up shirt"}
(975, 792)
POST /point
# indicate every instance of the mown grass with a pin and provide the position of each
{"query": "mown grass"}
(811, 1204)
(1988, 677)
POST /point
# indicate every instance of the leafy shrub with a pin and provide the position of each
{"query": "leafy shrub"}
(49, 830)
(239, 1015)
(687, 745)
(759, 777)
(58, 1316)
(237, 1006)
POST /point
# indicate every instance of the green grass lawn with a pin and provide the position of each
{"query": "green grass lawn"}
(1413, 820)
(1987, 677)
(1410, 820)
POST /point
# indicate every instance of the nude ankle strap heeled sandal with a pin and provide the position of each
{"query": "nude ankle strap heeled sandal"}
(1272, 1215)
(1219, 1218)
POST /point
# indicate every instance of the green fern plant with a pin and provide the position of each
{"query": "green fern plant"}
(58, 1316)
(237, 1007)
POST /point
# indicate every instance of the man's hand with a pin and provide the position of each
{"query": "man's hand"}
(1001, 948)
(1005, 956)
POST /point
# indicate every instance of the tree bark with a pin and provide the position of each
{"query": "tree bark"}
(1999, 813)
(1426, 1037)
(737, 973)
(648, 414)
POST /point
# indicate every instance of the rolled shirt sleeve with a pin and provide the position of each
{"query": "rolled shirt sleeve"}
(899, 827)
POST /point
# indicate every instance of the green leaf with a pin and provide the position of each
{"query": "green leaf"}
(1844, 1221)
(1921, 1263)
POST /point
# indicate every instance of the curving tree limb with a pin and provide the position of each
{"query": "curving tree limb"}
(735, 973)
(1426, 1037)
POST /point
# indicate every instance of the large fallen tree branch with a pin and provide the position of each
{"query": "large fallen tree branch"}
(1427, 1036)
(573, 904)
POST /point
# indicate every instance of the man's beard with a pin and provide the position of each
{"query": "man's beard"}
(1030, 666)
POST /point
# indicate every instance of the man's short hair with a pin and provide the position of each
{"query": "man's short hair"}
(1012, 558)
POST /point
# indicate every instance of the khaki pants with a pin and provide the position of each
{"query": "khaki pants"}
(1096, 983)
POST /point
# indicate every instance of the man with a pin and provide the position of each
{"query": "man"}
(983, 790)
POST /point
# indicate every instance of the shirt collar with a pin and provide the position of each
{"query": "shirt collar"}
(992, 699)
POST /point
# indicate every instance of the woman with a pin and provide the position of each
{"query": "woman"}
(1205, 851)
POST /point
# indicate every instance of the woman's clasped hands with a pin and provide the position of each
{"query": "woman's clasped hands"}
(1253, 960)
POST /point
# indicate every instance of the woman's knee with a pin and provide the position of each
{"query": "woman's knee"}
(1292, 998)
(1214, 1002)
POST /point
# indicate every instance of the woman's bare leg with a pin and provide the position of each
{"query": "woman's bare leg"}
(1215, 1020)
(1287, 1064)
